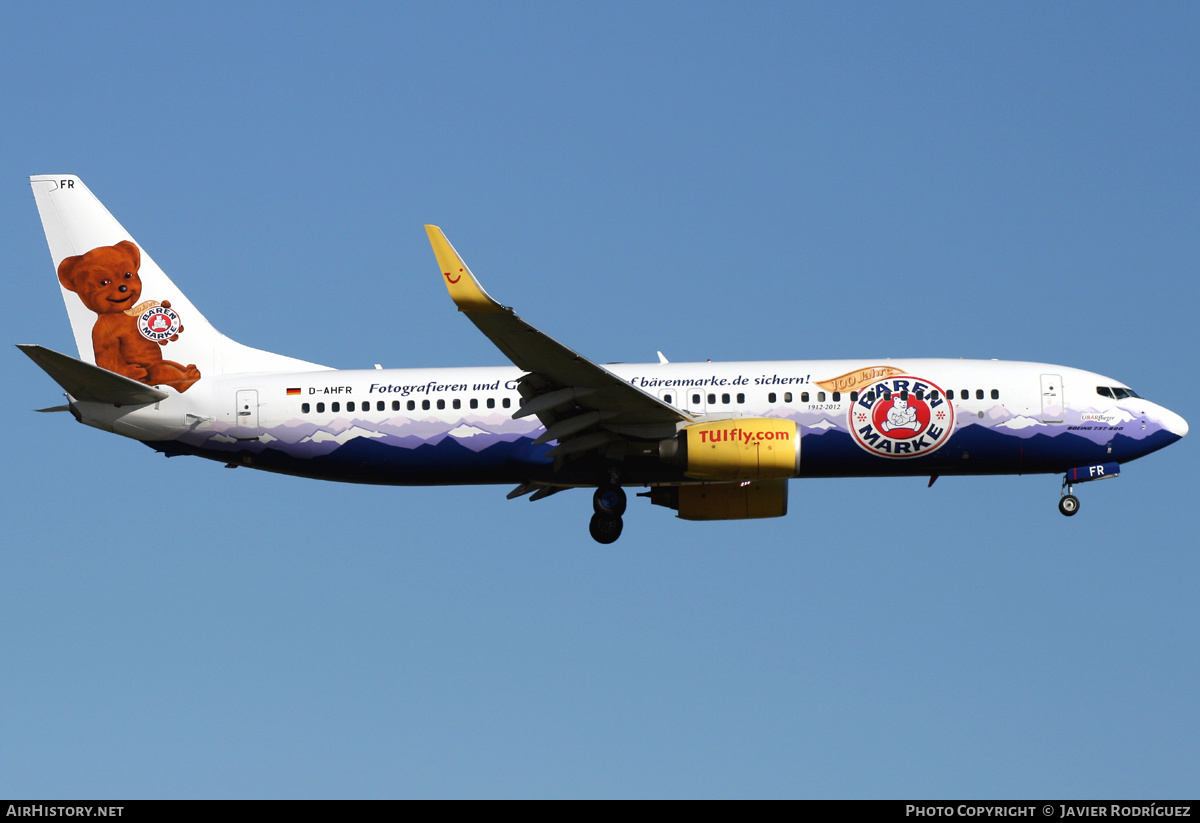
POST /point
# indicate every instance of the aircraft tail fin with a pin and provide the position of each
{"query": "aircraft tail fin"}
(126, 314)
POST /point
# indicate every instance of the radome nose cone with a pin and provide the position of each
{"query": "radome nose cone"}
(1174, 423)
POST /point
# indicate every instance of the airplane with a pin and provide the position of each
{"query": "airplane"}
(712, 441)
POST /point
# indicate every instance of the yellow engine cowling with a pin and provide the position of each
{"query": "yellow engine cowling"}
(733, 501)
(746, 500)
(750, 448)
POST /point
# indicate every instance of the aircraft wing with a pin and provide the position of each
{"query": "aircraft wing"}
(570, 394)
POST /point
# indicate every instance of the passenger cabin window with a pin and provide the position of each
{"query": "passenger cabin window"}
(725, 399)
(669, 398)
(474, 402)
(695, 399)
(507, 402)
(456, 403)
(771, 397)
(741, 398)
(320, 408)
(853, 397)
(425, 405)
(820, 397)
(803, 397)
(712, 398)
(491, 402)
(979, 394)
(335, 406)
(995, 394)
(787, 397)
(350, 406)
(304, 407)
(441, 404)
(837, 397)
(965, 394)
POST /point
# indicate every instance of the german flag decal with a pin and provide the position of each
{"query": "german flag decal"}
(292, 391)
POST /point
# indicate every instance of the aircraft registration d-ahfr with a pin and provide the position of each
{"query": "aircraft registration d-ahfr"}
(713, 441)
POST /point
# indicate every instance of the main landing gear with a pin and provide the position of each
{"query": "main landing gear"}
(609, 501)
(1068, 504)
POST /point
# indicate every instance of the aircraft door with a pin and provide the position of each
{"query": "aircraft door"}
(1052, 398)
(247, 414)
(693, 400)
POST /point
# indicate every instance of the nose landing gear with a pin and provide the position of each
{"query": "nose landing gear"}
(1068, 504)
(609, 501)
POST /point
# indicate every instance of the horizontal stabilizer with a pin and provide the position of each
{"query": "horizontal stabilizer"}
(89, 383)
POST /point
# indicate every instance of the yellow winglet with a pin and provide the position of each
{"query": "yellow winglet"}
(464, 289)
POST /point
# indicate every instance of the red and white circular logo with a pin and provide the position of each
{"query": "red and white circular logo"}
(159, 323)
(902, 416)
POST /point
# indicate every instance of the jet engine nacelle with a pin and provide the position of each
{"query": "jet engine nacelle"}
(748, 448)
(746, 500)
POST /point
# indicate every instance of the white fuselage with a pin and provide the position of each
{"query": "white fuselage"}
(371, 425)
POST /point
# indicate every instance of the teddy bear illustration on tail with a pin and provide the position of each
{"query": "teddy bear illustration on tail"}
(128, 337)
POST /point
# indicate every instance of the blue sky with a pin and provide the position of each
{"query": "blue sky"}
(724, 181)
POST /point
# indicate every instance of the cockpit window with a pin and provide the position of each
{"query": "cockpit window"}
(1116, 392)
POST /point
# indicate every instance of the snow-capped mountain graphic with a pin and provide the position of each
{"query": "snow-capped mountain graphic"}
(309, 439)
(1019, 422)
(345, 435)
(466, 431)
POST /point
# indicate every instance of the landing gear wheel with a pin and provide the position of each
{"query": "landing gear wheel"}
(1069, 504)
(605, 528)
(609, 500)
